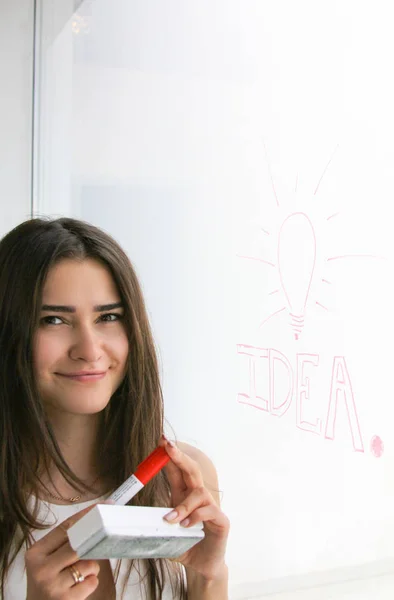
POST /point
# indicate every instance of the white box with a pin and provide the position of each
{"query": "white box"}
(110, 531)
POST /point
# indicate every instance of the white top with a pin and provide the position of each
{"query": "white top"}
(53, 514)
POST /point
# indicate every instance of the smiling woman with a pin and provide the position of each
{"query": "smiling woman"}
(80, 407)
(84, 335)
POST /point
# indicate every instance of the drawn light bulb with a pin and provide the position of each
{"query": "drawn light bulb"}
(296, 264)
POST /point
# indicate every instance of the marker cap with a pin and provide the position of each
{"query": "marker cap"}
(152, 465)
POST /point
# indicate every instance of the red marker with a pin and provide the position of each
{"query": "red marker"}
(144, 473)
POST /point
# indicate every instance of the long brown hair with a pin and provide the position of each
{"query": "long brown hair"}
(132, 422)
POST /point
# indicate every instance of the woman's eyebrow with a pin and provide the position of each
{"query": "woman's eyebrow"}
(72, 309)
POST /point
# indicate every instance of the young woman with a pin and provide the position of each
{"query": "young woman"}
(81, 407)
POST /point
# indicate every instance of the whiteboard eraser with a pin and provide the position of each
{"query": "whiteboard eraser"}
(111, 531)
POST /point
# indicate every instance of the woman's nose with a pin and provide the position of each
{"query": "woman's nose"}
(86, 346)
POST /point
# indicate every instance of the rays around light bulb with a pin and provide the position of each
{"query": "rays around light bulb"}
(297, 245)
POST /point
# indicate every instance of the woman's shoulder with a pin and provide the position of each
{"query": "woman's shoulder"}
(196, 454)
(206, 465)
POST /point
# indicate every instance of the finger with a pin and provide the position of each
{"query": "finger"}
(176, 481)
(180, 462)
(86, 568)
(211, 516)
(81, 591)
(64, 556)
(197, 498)
(58, 536)
(173, 472)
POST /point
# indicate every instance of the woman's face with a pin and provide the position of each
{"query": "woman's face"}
(78, 333)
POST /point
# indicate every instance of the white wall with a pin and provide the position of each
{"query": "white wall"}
(378, 588)
(16, 69)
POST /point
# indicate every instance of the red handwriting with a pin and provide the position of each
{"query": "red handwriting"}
(267, 360)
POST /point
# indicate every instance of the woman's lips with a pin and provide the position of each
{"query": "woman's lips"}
(84, 378)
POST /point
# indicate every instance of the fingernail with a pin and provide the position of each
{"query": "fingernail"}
(185, 522)
(171, 515)
(171, 444)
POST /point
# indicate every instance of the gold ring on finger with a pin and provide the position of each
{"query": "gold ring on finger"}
(77, 576)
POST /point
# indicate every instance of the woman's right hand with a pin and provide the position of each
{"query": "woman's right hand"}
(48, 563)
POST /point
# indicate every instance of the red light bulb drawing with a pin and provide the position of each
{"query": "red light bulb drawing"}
(296, 265)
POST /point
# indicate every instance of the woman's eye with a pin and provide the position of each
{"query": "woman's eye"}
(47, 320)
(118, 317)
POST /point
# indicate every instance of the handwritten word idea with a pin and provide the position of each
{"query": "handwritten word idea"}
(266, 361)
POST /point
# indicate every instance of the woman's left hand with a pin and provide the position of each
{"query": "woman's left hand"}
(193, 503)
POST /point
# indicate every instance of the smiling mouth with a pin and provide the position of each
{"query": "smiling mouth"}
(93, 377)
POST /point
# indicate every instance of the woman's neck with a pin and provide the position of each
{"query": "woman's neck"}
(77, 438)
